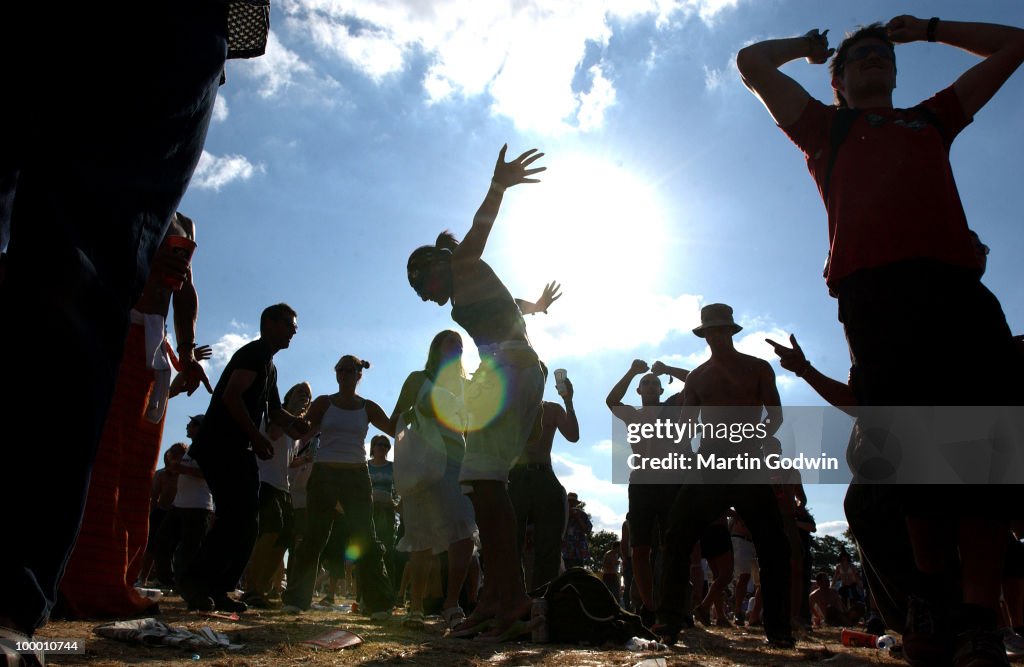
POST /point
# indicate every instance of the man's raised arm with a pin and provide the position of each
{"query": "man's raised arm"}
(1002, 48)
(759, 66)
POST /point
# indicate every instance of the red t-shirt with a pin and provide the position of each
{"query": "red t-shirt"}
(892, 195)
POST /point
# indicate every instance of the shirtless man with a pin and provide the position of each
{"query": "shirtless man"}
(537, 496)
(729, 389)
(826, 605)
(648, 503)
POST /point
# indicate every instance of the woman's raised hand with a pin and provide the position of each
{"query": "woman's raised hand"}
(551, 294)
(507, 174)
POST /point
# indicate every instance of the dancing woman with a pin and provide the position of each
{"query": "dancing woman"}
(340, 475)
(439, 518)
(503, 400)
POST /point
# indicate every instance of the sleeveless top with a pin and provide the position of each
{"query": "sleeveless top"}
(343, 436)
(491, 321)
(382, 481)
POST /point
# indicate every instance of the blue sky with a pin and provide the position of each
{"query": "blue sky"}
(370, 126)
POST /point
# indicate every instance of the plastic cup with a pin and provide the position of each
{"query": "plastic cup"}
(183, 247)
(560, 377)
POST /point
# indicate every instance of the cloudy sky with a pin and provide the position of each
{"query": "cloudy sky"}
(370, 126)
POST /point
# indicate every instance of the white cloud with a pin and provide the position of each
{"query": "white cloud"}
(220, 109)
(594, 103)
(713, 78)
(213, 172)
(277, 69)
(525, 55)
(226, 346)
(833, 528)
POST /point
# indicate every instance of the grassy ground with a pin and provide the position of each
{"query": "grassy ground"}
(273, 637)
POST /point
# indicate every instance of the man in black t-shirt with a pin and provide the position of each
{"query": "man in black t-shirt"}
(225, 447)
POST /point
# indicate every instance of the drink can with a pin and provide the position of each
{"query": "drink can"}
(858, 638)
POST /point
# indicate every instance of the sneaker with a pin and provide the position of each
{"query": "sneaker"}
(413, 620)
(980, 648)
(224, 603)
(927, 641)
(256, 601)
(292, 609)
(381, 615)
(327, 601)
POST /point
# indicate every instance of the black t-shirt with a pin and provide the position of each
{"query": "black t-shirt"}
(219, 430)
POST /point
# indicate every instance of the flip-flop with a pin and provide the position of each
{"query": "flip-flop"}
(473, 630)
(518, 629)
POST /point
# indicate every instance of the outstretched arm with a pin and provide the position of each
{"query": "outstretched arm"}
(1002, 48)
(759, 66)
(506, 174)
(550, 294)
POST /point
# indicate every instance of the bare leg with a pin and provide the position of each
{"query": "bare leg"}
(504, 587)
(741, 593)
(419, 564)
(459, 555)
(643, 576)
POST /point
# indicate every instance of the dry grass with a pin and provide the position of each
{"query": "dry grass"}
(273, 638)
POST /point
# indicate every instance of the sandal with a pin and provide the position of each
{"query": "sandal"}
(453, 617)
(413, 620)
(14, 658)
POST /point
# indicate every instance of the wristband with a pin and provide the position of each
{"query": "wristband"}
(498, 187)
(933, 23)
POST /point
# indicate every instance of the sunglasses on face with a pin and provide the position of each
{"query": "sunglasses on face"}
(349, 370)
(864, 50)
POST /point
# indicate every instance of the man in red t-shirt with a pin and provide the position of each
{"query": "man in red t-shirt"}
(901, 261)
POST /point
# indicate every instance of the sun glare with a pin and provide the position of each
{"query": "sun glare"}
(590, 225)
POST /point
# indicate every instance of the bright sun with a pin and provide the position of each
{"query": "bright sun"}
(592, 226)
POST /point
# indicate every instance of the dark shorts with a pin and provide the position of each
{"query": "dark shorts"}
(889, 315)
(715, 541)
(649, 509)
(276, 513)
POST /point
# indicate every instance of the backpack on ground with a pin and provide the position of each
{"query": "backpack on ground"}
(582, 609)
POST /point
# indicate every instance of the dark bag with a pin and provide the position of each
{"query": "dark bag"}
(582, 609)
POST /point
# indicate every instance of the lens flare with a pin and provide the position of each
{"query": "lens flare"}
(352, 553)
(486, 394)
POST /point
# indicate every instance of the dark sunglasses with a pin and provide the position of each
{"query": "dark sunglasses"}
(864, 50)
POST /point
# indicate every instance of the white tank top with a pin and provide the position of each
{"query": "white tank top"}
(343, 436)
